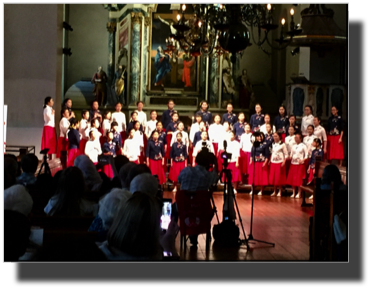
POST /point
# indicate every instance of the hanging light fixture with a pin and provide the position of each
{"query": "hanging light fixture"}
(220, 28)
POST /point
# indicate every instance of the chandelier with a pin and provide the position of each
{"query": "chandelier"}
(216, 29)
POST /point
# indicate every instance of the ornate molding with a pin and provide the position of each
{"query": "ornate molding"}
(147, 21)
(111, 27)
(137, 17)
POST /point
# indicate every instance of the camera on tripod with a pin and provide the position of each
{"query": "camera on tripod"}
(45, 164)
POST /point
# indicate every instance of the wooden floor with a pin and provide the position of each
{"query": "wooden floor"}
(277, 220)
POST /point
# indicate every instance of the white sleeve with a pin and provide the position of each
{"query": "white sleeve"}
(324, 137)
(274, 128)
(123, 122)
(192, 132)
(174, 137)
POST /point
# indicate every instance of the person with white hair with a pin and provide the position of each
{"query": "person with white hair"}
(146, 183)
(109, 206)
(17, 198)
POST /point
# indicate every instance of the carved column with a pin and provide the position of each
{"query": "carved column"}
(111, 27)
(145, 54)
(136, 56)
(213, 81)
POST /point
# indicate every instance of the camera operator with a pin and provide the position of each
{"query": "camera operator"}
(199, 178)
(204, 142)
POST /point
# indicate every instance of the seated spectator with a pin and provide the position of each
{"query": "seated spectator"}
(137, 170)
(68, 200)
(45, 184)
(120, 161)
(10, 171)
(145, 183)
(198, 177)
(70, 249)
(123, 174)
(91, 176)
(109, 206)
(135, 231)
(17, 198)
(331, 174)
(29, 164)
(16, 235)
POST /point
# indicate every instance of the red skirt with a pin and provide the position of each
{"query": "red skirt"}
(258, 174)
(191, 150)
(136, 162)
(215, 145)
(220, 161)
(49, 139)
(157, 169)
(63, 144)
(82, 145)
(123, 136)
(175, 170)
(335, 149)
(107, 170)
(235, 172)
(296, 175)
(71, 156)
(311, 175)
(277, 175)
(283, 135)
(169, 147)
(244, 161)
(102, 140)
(287, 166)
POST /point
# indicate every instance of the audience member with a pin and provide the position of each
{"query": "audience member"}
(10, 171)
(68, 200)
(198, 177)
(120, 161)
(29, 164)
(70, 248)
(123, 174)
(91, 176)
(137, 170)
(331, 174)
(18, 199)
(145, 183)
(109, 206)
(135, 232)
(16, 235)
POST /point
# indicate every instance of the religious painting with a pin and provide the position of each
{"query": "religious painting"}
(170, 69)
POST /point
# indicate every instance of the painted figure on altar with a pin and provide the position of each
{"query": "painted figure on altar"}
(100, 88)
(188, 62)
(245, 90)
(162, 66)
(119, 83)
(228, 86)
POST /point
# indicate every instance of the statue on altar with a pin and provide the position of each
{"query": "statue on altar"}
(228, 86)
(119, 84)
(100, 88)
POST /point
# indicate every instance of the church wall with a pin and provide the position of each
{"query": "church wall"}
(88, 41)
(32, 68)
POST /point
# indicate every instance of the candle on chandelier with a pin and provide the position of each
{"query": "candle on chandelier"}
(269, 7)
(291, 11)
(178, 17)
(199, 23)
(184, 7)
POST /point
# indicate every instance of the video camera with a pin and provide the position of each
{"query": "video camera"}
(225, 155)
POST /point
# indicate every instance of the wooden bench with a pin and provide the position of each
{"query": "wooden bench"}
(319, 167)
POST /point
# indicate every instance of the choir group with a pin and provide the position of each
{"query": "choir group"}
(278, 154)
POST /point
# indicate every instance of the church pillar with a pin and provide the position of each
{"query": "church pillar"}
(111, 27)
(213, 82)
(136, 56)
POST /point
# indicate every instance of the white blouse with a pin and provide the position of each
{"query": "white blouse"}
(185, 139)
(106, 126)
(215, 132)
(139, 140)
(298, 153)
(194, 129)
(246, 142)
(131, 149)
(233, 147)
(49, 119)
(198, 147)
(226, 136)
(92, 150)
(64, 125)
(279, 152)
(119, 117)
(150, 127)
(306, 121)
(263, 128)
(289, 143)
(141, 117)
(308, 140)
(83, 126)
(320, 132)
